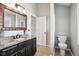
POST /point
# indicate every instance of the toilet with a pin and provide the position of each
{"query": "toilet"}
(62, 45)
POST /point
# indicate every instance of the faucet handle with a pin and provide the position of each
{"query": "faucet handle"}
(14, 37)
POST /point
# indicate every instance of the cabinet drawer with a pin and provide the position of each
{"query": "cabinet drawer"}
(9, 51)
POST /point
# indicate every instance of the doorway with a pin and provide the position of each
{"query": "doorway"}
(41, 30)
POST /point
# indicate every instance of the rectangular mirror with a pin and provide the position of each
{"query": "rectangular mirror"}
(20, 21)
(9, 18)
(13, 20)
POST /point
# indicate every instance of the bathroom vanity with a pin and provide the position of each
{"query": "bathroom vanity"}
(25, 47)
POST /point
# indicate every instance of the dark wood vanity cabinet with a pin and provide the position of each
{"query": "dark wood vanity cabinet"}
(26, 48)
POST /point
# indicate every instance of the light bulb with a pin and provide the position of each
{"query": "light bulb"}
(19, 8)
(24, 11)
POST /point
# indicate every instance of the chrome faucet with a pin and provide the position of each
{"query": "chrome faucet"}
(18, 36)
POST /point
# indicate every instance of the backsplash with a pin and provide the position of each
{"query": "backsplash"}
(5, 39)
(13, 33)
(1, 33)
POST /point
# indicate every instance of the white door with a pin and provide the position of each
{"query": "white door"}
(41, 30)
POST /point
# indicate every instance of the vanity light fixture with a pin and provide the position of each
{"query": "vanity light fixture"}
(20, 8)
(16, 7)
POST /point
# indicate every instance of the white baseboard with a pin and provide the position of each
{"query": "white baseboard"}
(48, 45)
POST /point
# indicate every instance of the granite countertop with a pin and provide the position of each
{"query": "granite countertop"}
(15, 41)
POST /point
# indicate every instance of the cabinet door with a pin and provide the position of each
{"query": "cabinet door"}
(21, 45)
(31, 47)
(29, 50)
(21, 49)
(34, 46)
(0, 52)
(26, 51)
(22, 52)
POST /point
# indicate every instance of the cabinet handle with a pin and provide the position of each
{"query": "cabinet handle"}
(9, 48)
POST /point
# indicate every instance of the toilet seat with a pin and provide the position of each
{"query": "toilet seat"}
(62, 45)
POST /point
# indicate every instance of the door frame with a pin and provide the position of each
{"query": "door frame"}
(46, 31)
(52, 29)
(33, 15)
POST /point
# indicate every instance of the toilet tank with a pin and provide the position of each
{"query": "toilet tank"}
(62, 39)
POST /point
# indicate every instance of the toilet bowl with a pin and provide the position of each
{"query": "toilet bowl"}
(62, 45)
